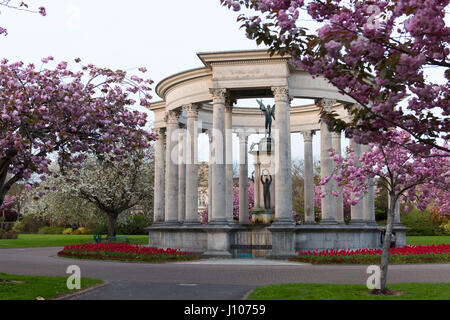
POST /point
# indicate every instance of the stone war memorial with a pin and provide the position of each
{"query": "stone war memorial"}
(201, 101)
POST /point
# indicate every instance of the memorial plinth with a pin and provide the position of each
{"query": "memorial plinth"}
(263, 211)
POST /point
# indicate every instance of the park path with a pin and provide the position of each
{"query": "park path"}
(197, 280)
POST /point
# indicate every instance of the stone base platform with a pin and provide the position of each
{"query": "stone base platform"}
(278, 241)
(342, 236)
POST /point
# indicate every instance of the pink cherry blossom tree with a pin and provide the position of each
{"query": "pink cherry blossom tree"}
(55, 113)
(440, 203)
(376, 52)
(21, 6)
(405, 174)
(8, 206)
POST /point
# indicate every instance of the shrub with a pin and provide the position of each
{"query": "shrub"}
(67, 231)
(134, 224)
(18, 227)
(421, 224)
(81, 230)
(100, 228)
(446, 227)
(10, 215)
(380, 214)
(8, 235)
(50, 230)
(31, 224)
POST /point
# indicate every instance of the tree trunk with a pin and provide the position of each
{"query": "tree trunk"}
(112, 218)
(2, 195)
(4, 167)
(387, 243)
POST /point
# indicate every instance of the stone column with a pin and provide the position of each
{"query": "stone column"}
(210, 186)
(357, 212)
(283, 227)
(308, 177)
(369, 198)
(181, 174)
(229, 160)
(159, 196)
(326, 168)
(218, 238)
(397, 213)
(339, 200)
(171, 215)
(191, 165)
(256, 176)
(243, 178)
(218, 165)
(283, 173)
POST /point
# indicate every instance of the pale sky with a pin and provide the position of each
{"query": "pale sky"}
(163, 36)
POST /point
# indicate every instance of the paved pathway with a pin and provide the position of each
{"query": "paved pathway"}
(197, 280)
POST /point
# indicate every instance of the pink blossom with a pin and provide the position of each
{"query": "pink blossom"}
(68, 109)
(378, 67)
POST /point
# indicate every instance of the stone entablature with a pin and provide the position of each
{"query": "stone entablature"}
(302, 117)
(241, 71)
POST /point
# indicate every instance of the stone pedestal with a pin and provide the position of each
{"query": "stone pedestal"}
(263, 160)
(218, 242)
(262, 216)
(283, 241)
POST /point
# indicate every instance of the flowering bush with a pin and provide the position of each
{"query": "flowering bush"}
(50, 230)
(406, 254)
(8, 234)
(67, 231)
(81, 230)
(124, 252)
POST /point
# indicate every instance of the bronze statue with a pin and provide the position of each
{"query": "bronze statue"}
(269, 113)
(266, 189)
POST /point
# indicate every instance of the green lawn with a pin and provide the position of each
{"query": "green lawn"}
(312, 291)
(31, 287)
(428, 240)
(58, 240)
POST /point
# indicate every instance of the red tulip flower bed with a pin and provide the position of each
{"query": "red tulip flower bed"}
(407, 254)
(124, 252)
